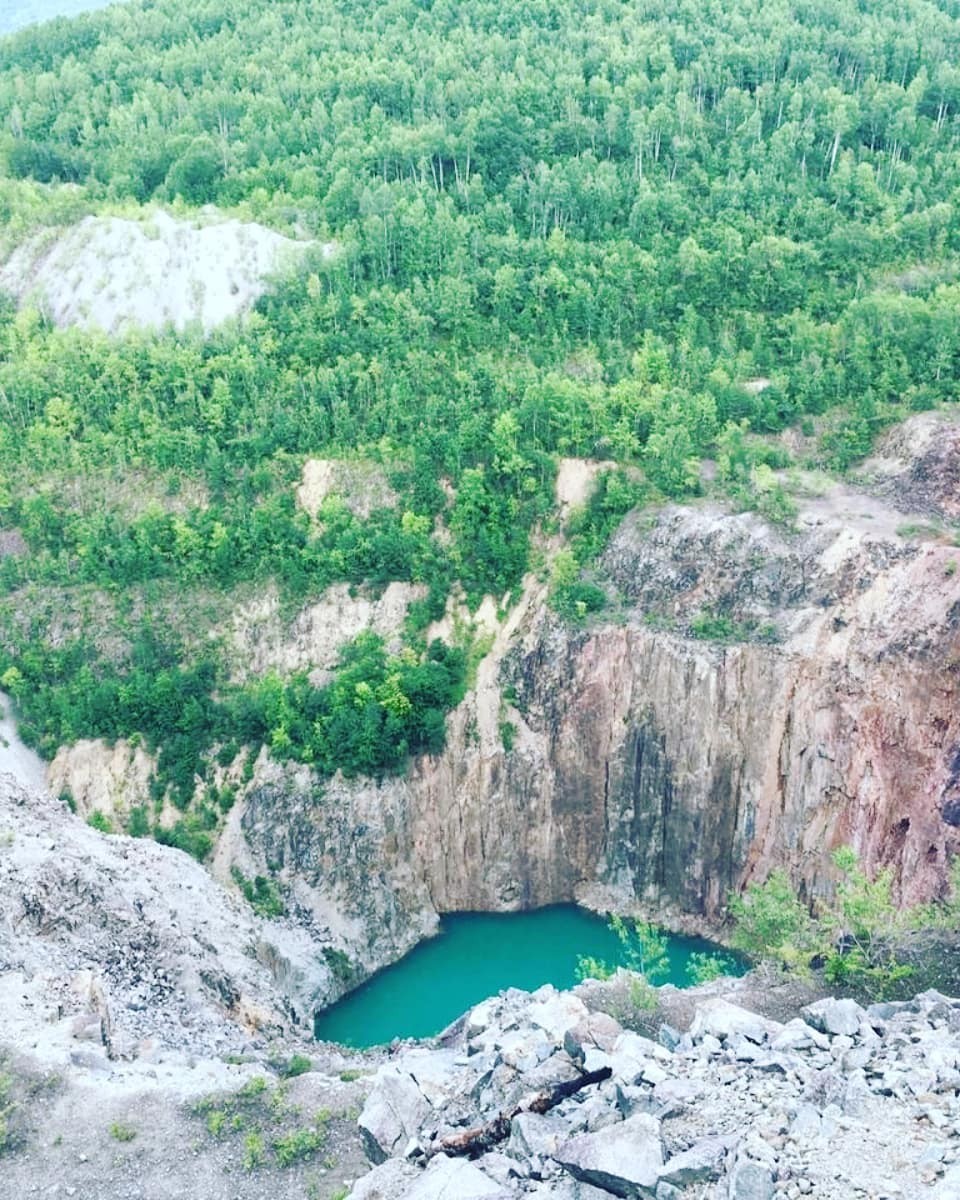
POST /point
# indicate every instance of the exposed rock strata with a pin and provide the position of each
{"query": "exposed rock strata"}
(651, 763)
(918, 464)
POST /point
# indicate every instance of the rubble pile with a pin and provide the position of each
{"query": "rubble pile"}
(841, 1103)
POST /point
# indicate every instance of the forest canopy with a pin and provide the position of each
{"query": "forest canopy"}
(649, 234)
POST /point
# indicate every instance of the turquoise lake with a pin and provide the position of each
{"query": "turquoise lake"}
(476, 955)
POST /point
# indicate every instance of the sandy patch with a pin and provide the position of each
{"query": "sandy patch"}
(576, 478)
(363, 486)
(262, 641)
(102, 778)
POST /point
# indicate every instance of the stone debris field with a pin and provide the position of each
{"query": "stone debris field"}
(841, 1103)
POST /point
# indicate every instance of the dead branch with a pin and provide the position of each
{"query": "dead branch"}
(480, 1139)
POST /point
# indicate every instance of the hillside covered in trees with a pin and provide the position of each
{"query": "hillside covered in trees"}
(649, 234)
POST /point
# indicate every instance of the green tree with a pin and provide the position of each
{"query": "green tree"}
(643, 951)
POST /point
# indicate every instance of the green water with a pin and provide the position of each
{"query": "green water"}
(476, 955)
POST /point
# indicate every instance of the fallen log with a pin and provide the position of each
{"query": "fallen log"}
(474, 1142)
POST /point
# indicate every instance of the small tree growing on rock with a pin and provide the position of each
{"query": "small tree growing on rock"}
(643, 951)
(773, 925)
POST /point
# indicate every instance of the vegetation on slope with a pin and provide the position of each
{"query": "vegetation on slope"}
(859, 937)
(562, 229)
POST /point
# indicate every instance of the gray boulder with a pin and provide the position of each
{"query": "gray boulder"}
(390, 1181)
(835, 1017)
(750, 1181)
(454, 1179)
(798, 1035)
(635, 1099)
(675, 1095)
(721, 1019)
(564, 1188)
(482, 1016)
(631, 1056)
(625, 1159)
(555, 1012)
(596, 1030)
(392, 1115)
(703, 1161)
(533, 1135)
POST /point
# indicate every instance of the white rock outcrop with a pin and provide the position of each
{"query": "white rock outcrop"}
(116, 274)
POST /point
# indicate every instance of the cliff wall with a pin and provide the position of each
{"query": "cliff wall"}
(755, 697)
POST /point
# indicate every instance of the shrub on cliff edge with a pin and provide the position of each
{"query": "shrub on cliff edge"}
(859, 937)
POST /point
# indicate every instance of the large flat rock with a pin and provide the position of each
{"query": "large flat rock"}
(624, 1159)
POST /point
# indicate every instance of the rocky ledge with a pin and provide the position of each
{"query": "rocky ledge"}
(840, 1102)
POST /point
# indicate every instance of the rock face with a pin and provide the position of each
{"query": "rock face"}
(763, 696)
(132, 987)
(867, 1114)
(392, 1115)
(918, 466)
(684, 768)
(655, 762)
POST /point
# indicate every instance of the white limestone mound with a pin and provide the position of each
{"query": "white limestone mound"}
(115, 274)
